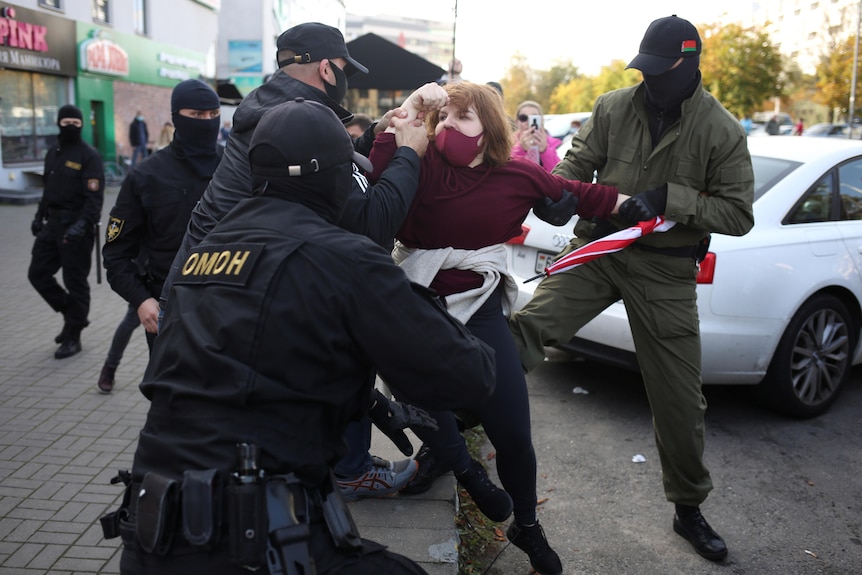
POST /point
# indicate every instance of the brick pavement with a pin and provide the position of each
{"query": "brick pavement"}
(61, 441)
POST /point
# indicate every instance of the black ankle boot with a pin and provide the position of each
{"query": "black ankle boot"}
(689, 523)
(532, 541)
(492, 501)
(69, 348)
(430, 469)
(106, 379)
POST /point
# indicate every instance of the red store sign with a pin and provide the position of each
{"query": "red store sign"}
(102, 55)
(34, 41)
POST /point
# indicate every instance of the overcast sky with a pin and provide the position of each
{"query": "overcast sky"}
(590, 33)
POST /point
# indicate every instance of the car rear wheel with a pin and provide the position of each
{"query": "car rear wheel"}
(813, 359)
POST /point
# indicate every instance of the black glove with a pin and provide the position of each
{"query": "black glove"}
(645, 206)
(75, 231)
(391, 417)
(559, 212)
(36, 226)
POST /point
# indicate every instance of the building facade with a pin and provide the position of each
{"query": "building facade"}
(248, 30)
(111, 58)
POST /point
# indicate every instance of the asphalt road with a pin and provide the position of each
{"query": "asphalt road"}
(787, 496)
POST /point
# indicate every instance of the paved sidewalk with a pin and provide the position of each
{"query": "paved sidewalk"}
(61, 441)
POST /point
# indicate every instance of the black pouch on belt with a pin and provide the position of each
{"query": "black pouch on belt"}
(111, 521)
(247, 523)
(338, 519)
(158, 503)
(201, 504)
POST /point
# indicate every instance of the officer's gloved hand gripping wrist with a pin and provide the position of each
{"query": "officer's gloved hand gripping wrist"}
(645, 206)
(76, 230)
(559, 212)
(392, 417)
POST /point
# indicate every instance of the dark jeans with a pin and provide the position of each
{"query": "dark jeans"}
(49, 255)
(139, 151)
(358, 439)
(122, 335)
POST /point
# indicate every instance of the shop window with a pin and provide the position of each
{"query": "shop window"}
(28, 114)
(55, 4)
(102, 11)
(139, 9)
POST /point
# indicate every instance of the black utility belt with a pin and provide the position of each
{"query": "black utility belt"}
(266, 518)
(677, 252)
(696, 252)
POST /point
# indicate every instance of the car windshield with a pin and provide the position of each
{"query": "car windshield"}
(769, 171)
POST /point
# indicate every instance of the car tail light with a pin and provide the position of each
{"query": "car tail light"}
(519, 240)
(707, 269)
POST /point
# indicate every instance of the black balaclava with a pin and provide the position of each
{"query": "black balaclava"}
(667, 91)
(197, 138)
(69, 134)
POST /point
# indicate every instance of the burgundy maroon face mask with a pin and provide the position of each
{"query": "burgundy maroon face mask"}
(459, 149)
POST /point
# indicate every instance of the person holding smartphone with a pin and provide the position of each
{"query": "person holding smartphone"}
(531, 140)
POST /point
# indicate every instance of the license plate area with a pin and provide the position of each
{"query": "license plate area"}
(543, 259)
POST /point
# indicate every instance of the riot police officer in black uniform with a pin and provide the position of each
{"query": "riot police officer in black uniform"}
(71, 206)
(262, 360)
(155, 200)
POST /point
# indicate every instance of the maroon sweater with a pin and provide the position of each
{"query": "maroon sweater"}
(471, 208)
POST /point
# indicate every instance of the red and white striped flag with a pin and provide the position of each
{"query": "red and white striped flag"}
(611, 243)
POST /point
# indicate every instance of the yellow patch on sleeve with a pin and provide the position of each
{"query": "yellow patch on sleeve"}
(115, 226)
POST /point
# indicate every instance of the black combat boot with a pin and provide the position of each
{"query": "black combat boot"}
(430, 469)
(532, 541)
(492, 501)
(71, 344)
(690, 524)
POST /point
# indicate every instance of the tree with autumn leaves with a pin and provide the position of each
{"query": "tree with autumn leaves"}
(741, 67)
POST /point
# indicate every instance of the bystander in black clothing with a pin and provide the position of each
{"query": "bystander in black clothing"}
(267, 338)
(71, 206)
(155, 200)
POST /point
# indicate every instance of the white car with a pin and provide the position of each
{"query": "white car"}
(779, 307)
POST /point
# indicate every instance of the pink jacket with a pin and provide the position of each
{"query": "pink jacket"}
(548, 159)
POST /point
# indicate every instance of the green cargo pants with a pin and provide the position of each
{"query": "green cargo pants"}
(660, 298)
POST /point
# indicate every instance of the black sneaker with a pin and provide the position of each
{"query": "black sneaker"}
(430, 469)
(492, 501)
(532, 541)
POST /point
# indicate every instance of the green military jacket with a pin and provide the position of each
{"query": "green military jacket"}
(703, 158)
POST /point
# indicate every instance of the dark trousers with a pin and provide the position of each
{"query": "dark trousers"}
(505, 416)
(49, 255)
(122, 335)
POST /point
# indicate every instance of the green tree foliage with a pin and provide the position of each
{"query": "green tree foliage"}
(740, 66)
(835, 75)
(579, 94)
(518, 83)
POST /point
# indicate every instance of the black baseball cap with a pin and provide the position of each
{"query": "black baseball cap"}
(313, 42)
(666, 41)
(301, 137)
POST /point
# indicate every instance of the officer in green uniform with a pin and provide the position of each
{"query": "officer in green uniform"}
(677, 145)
